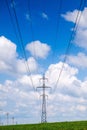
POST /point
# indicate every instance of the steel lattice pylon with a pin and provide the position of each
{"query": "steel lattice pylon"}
(44, 113)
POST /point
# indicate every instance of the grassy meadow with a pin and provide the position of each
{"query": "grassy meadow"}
(77, 125)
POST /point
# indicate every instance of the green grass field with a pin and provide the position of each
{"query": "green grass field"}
(78, 125)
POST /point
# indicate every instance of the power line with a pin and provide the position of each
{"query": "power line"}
(80, 14)
(12, 22)
(31, 25)
(21, 40)
(32, 30)
(30, 16)
(58, 23)
(70, 40)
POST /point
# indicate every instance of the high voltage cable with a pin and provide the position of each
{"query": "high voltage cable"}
(12, 22)
(58, 22)
(69, 44)
(70, 40)
(44, 11)
(32, 30)
(30, 16)
(28, 68)
(21, 40)
(31, 25)
(80, 14)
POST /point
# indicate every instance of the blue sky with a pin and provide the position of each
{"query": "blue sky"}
(45, 27)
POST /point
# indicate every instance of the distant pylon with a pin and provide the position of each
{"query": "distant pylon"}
(7, 118)
(0, 117)
(44, 113)
(13, 120)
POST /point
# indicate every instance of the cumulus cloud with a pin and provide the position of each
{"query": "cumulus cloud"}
(7, 48)
(22, 66)
(71, 16)
(79, 60)
(81, 108)
(7, 54)
(3, 104)
(18, 95)
(19, 98)
(38, 49)
(27, 16)
(81, 34)
(54, 69)
(81, 38)
(25, 100)
(69, 89)
(44, 15)
(26, 80)
(9, 61)
(68, 83)
(13, 3)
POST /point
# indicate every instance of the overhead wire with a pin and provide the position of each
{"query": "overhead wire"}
(21, 40)
(80, 14)
(75, 27)
(22, 44)
(59, 8)
(31, 24)
(32, 30)
(58, 23)
(44, 19)
(70, 40)
(12, 21)
(67, 50)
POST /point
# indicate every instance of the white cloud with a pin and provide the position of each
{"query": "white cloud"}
(9, 61)
(71, 93)
(13, 3)
(38, 49)
(68, 72)
(19, 95)
(71, 16)
(81, 34)
(3, 104)
(81, 38)
(80, 60)
(69, 85)
(7, 49)
(44, 15)
(32, 64)
(26, 80)
(81, 108)
(22, 66)
(27, 16)
(7, 54)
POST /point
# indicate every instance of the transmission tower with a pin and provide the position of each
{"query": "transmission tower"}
(13, 120)
(7, 114)
(44, 113)
(0, 117)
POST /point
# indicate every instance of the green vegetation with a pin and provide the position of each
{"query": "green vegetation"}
(78, 125)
